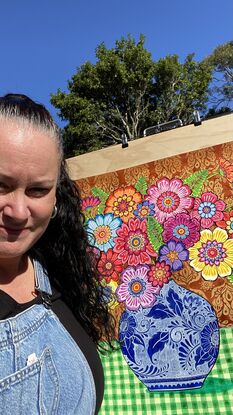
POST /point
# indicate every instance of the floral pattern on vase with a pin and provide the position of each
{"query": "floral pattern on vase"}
(174, 344)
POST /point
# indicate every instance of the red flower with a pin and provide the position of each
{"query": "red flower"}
(227, 223)
(159, 274)
(132, 244)
(226, 169)
(109, 266)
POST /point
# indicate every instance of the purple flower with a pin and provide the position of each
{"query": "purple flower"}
(173, 254)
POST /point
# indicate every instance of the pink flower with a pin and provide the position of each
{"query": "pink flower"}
(135, 289)
(90, 202)
(132, 244)
(182, 228)
(208, 209)
(169, 197)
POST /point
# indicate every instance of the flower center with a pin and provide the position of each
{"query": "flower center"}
(137, 287)
(212, 253)
(168, 201)
(136, 242)
(102, 234)
(181, 231)
(108, 265)
(206, 210)
(173, 255)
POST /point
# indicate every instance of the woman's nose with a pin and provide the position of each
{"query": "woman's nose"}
(16, 207)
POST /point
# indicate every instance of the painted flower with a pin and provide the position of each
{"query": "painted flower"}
(227, 223)
(182, 228)
(208, 209)
(226, 169)
(90, 202)
(109, 266)
(108, 294)
(132, 244)
(127, 326)
(169, 197)
(144, 209)
(208, 350)
(102, 231)
(174, 253)
(122, 202)
(212, 255)
(90, 206)
(159, 274)
(135, 289)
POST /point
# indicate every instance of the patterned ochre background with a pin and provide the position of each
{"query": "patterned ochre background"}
(177, 212)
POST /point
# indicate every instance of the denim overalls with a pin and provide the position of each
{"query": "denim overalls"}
(42, 370)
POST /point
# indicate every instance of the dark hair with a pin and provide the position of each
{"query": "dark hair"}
(64, 247)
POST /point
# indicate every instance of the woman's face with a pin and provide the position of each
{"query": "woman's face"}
(29, 164)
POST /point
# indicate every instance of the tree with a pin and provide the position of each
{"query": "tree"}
(180, 88)
(124, 92)
(221, 63)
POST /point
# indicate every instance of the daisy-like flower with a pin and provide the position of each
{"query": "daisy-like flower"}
(212, 255)
(159, 274)
(226, 169)
(227, 223)
(208, 209)
(135, 289)
(169, 197)
(122, 202)
(144, 210)
(174, 253)
(132, 244)
(109, 266)
(102, 231)
(182, 228)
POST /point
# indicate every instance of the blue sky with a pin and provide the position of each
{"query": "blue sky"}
(43, 42)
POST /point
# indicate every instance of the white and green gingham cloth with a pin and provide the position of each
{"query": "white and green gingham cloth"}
(126, 395)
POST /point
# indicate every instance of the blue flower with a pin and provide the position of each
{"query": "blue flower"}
(144, 209)
(102, 231)
(127, 326)
(208, 349)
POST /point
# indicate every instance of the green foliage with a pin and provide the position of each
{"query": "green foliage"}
(196, 181)
(154, 232)
(124, 92)
(221, 63)
(102, 196)
(141, 185)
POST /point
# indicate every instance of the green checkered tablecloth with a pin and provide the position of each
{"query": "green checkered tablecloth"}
(126, 395)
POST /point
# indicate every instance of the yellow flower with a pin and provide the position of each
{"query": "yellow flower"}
(212, 254)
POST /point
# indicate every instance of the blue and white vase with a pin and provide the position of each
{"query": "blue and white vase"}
(174, 344)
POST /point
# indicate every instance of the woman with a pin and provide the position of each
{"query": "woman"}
(50, 302)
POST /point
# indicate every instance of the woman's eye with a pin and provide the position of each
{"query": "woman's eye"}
(3, 188)
(37, 191)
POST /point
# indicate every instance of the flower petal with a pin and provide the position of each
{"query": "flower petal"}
(210, 273)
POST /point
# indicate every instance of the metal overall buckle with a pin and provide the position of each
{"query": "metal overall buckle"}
(46, 299)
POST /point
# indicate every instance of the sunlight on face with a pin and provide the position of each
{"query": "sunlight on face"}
(29, 166)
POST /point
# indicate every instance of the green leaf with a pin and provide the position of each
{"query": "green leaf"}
(196, 181)
(103, 196)
(154, 232)
(141, 185)
(230, 279)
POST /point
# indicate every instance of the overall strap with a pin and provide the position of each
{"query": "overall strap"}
(42, 283)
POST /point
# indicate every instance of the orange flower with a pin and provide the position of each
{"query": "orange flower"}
(226, 169)
(122, 202)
